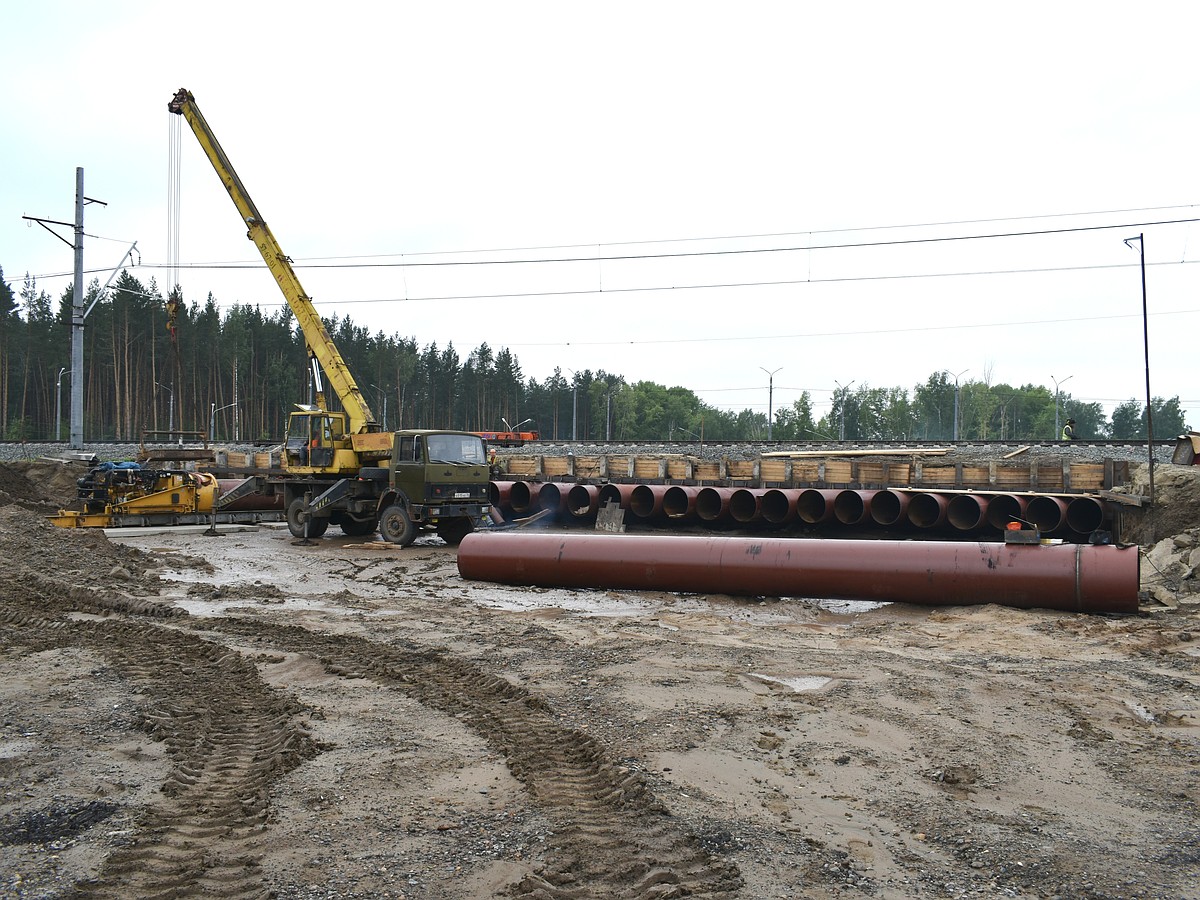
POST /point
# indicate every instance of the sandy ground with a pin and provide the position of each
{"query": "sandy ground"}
(240, 716)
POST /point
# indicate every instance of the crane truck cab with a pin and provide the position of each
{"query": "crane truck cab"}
(434, 480)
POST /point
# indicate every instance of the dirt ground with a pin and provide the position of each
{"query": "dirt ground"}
(239, 716)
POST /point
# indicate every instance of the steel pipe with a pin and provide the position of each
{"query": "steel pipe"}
(814, 506)
(552, 495)
(621, 493)
(523, 497)
(1048, 514)
(712, 504)
(1004, 508)
(967, 512)
(889, 507)
(1076, 577)
(745, 505)
(583, 500)
(1086, 514)
(779, 506)
(853, 507)
(499, 492)
(679, 502)
(927, 510)
(646, 500)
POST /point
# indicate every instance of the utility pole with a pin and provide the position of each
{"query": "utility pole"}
(770, 397)
(1057, 394)
(956, 403)
(842, 419)
(1141, 239)
(77, 311)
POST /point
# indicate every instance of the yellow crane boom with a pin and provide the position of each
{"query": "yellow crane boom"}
(321, 349)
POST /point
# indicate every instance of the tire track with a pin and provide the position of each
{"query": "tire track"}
(612, 836)
(228, 736)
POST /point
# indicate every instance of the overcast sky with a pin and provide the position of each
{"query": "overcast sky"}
(841, 149)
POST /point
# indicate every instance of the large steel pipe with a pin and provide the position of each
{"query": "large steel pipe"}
(1075, 577)
(967, 512)
(646, 500)
(745, 505)
(816, 506)
(523, 497)
(552, 495)
(499, 492)
(853, 507)
(712, 504)
(618, 493)
(889, 507)
(779, 506)
(1046, 513)
(1004, 508)
(1085, 514)
(583, 500)
(927, 510)
(679, 502)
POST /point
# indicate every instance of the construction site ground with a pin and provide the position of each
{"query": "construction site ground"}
(186, 715)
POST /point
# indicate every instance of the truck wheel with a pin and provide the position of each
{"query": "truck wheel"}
(296, 519)
(357, 527)
(397, 526)
(452, 531)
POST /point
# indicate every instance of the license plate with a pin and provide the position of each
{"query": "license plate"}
(462, 495)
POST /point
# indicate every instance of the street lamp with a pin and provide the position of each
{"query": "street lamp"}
(58, 405)
(170, 410)
(963, 372)
(770, 397)
(1146, 343)
(842, 424)
(1057, 432)
(212, 418)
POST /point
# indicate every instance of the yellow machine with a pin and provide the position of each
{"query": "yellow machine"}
(320, 441)
(116, 495)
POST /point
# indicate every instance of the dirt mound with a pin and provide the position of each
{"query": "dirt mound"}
(43, 485)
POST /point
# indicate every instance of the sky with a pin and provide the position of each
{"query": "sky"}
(747, 200)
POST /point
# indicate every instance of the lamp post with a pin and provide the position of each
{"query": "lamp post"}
(770, 397)
(212, 418)
(956, 377)
(1057, 432)
(170, 410)
(1146, 344)
(842, 423)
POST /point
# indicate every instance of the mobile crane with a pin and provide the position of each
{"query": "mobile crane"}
(338, 466)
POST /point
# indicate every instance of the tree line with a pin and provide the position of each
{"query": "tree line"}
(235, 375)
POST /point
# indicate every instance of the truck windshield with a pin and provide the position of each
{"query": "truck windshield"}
(456, 448)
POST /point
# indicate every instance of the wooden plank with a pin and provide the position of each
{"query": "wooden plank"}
(1016, 452)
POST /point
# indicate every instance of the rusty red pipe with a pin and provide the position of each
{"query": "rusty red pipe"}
(679, 502)
(583, 500)
(967, 512)
(1074, 577)
(745, 505)
(779, 506)
(712, 504)
(552, 495)
(815, 506)
(1048, 514)
(499, 492)
(646, 500)
(888, 508)
(616, 492)
(1004, 508)
(927, 510)
(523, 497)
(853, 507)
(1086, 514)
(250, 502)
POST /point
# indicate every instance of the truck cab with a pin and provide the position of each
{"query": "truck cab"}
(438, 480)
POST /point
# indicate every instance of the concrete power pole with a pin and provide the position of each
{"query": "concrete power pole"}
(76, 436)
